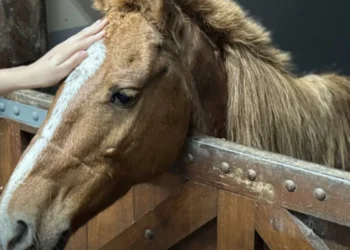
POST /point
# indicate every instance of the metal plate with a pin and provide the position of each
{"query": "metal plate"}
(22, 113)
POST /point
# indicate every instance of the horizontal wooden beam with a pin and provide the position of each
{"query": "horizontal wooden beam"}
(297, 185)
(31, 97)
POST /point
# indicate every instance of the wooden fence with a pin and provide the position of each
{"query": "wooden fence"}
(219, 195)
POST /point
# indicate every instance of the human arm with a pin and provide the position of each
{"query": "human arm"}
(54, 65)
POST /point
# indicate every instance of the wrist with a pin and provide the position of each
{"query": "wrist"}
(23, 78)
(29, 77)
(17, 78)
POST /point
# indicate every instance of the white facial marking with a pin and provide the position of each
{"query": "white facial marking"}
(97, 54)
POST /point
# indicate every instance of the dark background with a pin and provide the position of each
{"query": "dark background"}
(315, 32)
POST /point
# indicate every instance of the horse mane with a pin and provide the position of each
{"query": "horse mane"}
(268, 107)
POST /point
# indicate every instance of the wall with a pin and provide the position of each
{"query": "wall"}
(315, 31)
(66, 17)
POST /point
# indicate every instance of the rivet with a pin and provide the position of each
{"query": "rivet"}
(320, 194)
(2, 107)
(149, 235)
(225, 167)
(251, 175)
(290, 185)
(189, 158)
(35, 116)
(16, 110)
(1, 188)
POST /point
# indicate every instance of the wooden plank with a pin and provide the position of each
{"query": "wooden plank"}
(205, 238)
(335, 236)
(10, 149)
(236, 215)
(111, 222)
(79, 240)
(149, 195)
(171, 221)
(23, 33)
(272, 170)
(31, 97)
(28, 129)
(281, 230)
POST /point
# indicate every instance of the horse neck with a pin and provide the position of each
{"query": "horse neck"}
(265, 105)
(270, 109)
(209, 88)
(255, 101)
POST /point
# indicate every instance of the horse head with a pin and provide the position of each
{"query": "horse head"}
(120, 118)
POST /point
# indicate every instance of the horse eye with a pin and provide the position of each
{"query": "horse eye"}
(125, 97)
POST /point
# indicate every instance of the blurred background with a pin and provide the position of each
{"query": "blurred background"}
(316, 32)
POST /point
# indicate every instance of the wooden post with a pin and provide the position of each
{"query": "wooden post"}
(10, 149)
(236, 216)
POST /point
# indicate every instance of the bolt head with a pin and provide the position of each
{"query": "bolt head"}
(225, 167)
(2, 107)
(149, 235)
(16, 110)
(290, 185)
(320, 194)
(189, 158)
(251, 174)
(35, 116)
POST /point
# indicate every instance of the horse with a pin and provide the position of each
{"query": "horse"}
(166, 70)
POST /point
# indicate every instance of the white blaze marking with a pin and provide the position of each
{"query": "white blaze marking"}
(74, 82)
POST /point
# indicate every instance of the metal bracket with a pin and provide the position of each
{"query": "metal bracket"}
(22, 113)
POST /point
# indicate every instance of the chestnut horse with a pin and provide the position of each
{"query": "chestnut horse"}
(167, 69)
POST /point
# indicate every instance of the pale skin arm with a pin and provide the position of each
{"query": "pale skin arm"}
(55, 65)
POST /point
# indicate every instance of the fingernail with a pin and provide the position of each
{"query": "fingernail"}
(101, 32)
(98, 21)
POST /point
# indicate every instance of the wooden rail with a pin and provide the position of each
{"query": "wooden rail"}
(222, 178)
(272, 178)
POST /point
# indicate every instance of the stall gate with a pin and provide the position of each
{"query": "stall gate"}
(219, 195)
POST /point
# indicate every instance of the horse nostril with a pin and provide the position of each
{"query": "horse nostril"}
(21, 231)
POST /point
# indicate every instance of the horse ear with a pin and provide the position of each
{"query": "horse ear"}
(154, 8)
(101, 5)
(151, 8)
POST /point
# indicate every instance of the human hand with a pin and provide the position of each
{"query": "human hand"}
(62, 59)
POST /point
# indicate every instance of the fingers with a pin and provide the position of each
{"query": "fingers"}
(66, 52)
(79, 42)
(91, 30)
(73, 62)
